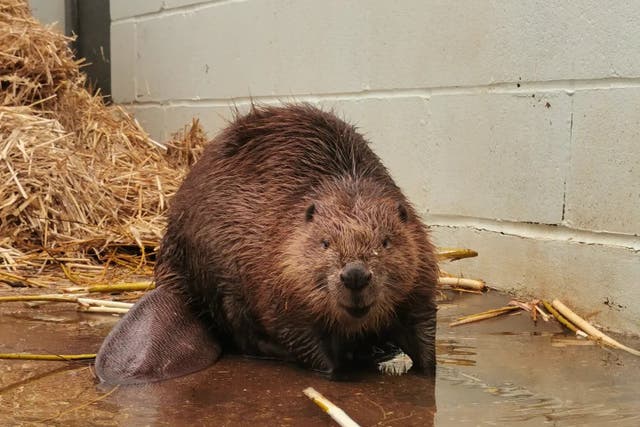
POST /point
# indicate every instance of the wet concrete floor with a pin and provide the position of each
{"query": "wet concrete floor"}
(505, 371)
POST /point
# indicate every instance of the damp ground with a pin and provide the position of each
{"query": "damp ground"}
(506, 371)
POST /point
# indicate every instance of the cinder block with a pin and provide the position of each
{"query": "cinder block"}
(121, 9)
(333, 46)
(172, 4)
(191, 56)
(603, 187)
(592, 279)
(123, 61)
(434, 43)
(500, 156)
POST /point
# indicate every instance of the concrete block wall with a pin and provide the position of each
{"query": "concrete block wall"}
(514, 127)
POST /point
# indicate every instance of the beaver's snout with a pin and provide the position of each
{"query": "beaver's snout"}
(355, 276)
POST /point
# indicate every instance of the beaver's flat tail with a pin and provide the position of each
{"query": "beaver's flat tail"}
(160, 338)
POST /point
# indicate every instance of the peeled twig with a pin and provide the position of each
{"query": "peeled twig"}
(454, 254)
(338, 415)
(522, 305)
(531, 307)
(459, 282)
(484, 315)
(559, 317)
(106, 310)
(86, 304)
(544, 315)
(119, 287)
(104, 303)
(493, 310)
(590, 329)
(54, 357)
(468, 291)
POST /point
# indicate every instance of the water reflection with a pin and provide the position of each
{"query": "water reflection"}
(238, 391)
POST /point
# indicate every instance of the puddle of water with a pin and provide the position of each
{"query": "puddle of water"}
(504, 371)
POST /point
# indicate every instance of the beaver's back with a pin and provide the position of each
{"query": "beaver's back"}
(286, 150)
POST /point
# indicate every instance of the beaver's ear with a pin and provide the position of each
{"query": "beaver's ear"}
(159, 338)
(402, 212)
(308, 214)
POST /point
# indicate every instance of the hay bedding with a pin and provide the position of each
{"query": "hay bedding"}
(79, 180)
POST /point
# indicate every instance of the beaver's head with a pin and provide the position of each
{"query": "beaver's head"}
(353, 255)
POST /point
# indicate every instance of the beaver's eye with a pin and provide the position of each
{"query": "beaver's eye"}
(325, 244)
(386, 243)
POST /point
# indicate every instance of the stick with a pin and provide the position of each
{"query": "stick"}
(468, 291)
(544, 315)
(120, 287)
(338, 415)
(484, 315)
(494, 310)
(476, 285)
(560, 317)
(590, 329)
(522, 305)
(111, 310)
(86, 304)
(54, 357)
(454, 254)
(105, 303)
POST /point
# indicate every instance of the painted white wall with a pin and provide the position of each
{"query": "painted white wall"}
(514, 127)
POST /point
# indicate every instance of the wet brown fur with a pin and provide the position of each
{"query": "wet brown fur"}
(248, 229)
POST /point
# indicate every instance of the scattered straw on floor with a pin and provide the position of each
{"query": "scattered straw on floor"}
(78, 178)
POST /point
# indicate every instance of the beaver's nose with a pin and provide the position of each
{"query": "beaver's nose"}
(355, 275)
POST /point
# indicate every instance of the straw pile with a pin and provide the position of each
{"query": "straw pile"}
(78, 178)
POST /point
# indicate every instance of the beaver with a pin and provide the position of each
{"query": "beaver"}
(289, 239)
